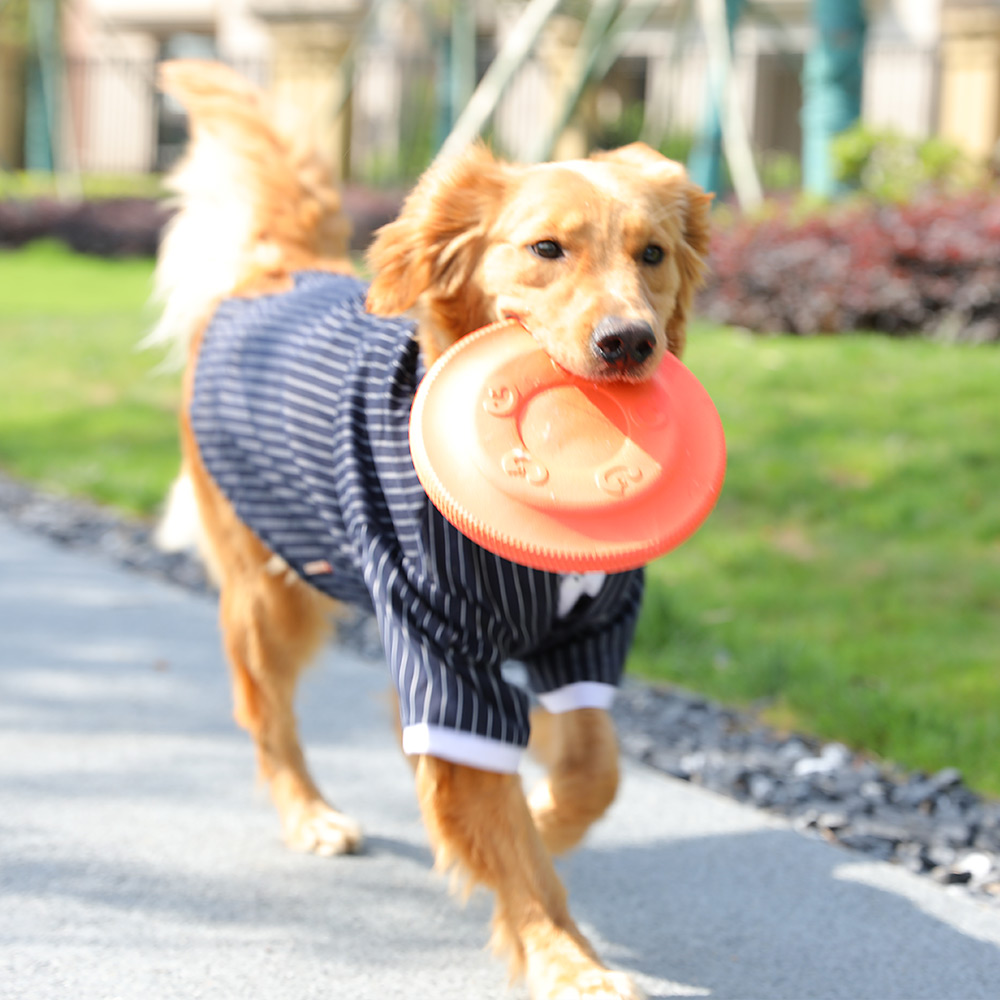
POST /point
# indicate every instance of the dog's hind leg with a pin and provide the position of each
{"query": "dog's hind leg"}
(273, 624)
(480, 824)
(272, 627)
(580, 751)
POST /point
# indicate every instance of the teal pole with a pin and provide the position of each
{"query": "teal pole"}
(462, 64)
(705, 162)
(42, 87)
(455, 58)
(831, 88)
(444, 113)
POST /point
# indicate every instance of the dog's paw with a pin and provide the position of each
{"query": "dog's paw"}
(598, 984)
(318, 828)
(580, 979)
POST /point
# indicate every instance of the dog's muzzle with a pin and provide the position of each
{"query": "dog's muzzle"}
(623, 345)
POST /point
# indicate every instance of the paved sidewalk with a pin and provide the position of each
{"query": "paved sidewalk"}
(138, 861)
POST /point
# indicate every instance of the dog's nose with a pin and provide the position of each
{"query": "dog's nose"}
(621, 343)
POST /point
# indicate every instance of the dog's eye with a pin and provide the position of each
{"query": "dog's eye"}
(547, 249)
(653, 254)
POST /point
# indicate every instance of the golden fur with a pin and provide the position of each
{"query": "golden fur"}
(463, 253)
(458, 251)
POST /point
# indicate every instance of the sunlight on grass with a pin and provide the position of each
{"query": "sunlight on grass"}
(48, 280)
(849, 581)
(83, 410)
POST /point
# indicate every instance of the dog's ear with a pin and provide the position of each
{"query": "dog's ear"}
(692, 260)
(683, 198)
(432, 245)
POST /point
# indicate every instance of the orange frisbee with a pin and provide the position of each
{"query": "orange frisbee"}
(557, 472)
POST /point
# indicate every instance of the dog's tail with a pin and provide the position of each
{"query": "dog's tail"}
(249, 202)
(250, 205)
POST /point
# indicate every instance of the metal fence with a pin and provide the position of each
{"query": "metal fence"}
(110, 118)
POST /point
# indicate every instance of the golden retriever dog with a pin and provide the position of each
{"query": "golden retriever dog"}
(599, 260)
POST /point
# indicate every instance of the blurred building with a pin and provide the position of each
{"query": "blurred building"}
(363, 77)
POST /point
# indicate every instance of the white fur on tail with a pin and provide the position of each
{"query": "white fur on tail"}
(249, 202)
(179, 529)
(202, 258)
(204, 250)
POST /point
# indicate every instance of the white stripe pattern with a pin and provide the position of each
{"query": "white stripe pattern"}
(301, 410)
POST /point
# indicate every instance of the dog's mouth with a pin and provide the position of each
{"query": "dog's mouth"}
(618, 351)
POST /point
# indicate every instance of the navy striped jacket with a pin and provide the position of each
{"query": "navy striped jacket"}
(301, 408)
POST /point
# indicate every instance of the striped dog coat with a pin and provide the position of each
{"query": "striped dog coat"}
(301, 408)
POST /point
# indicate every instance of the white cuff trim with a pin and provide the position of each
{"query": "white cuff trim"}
(582, 694)
(462, 748)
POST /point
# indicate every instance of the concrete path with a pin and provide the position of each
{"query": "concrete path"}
(138, 861)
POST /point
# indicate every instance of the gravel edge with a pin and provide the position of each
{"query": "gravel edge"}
(933, 825)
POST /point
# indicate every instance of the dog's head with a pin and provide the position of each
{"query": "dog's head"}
(598, 258)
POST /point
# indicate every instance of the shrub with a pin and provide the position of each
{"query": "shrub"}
(128, 227)
(892, 167)
(931, 266)
(24, 221)
(368, 209)
(24, 185)
(114, 227)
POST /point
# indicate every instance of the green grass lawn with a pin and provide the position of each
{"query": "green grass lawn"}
(847, 585)
(81, 409)
(23, 185)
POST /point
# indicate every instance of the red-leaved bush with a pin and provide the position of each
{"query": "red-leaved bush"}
(114, 227)
(121, 227)
(929, 267)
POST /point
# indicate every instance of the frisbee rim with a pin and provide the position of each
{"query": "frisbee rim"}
(610, 556)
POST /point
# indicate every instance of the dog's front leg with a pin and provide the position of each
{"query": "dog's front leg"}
(580, 751)
(480, 825)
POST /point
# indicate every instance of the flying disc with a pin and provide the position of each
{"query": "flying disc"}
(558, 472)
